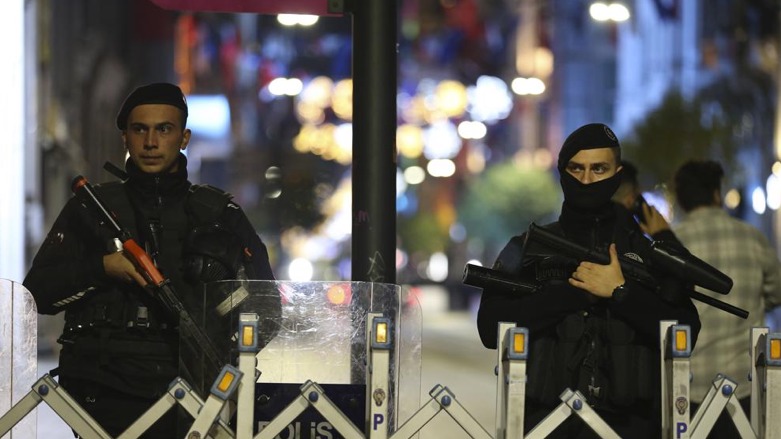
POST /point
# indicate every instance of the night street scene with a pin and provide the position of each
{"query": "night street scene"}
(380, 148)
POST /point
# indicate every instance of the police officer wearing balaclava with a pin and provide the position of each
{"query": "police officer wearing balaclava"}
(592, 328)
(120, 346)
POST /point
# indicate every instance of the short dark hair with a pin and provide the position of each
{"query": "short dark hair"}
(696, 181)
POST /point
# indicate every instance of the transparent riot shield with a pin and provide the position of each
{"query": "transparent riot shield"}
(315, 331)
(18, 351)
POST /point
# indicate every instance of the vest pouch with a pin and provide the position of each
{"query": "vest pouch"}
(540, 383)
(142, 368)
(552, 361)
(630, 366)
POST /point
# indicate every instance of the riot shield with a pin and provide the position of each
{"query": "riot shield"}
(314, 331)
(18, 351)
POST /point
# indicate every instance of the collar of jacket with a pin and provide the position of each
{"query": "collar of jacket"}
(160, 188)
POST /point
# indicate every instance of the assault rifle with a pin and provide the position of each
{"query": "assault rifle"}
(677, 262)
(542, 242)
(159, 285)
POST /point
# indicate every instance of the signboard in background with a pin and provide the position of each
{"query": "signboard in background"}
(314, 7)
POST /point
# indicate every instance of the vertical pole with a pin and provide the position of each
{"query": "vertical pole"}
(374, 140)
(12, 124)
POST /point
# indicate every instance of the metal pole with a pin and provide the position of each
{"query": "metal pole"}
(374, 140)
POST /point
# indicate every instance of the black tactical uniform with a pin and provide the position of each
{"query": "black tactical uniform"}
(120, 350)
(607, 348)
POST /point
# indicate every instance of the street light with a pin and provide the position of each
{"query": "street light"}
(617, 12)
(528, 86)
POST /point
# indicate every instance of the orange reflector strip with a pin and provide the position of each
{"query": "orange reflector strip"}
(247, 336)
(226, 382)
(518, 342)
(775, 349)
(680, 341)
(381, 336)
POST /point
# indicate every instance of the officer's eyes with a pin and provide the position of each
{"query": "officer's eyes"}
(572, 168)
(165, 129)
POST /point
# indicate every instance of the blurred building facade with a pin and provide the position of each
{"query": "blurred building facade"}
(286, 157)
(723, 54)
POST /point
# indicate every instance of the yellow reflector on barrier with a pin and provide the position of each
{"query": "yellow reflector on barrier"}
(775, 349)
(247, 336)
(381, 335)
(681, 340)
(226, 381)
(518, 342)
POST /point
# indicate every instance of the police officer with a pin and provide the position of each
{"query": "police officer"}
(120, 347)
(592, 327)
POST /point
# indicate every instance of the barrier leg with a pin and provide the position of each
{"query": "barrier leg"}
(664, 331)
(573, 403)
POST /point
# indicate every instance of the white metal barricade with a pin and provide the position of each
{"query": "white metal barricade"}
(766, 383)
(765, 364)
(675, 348)
(18, 353)
(512, 353)
(234, 393)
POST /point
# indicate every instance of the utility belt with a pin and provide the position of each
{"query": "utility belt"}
(117, 314)
(95, 346)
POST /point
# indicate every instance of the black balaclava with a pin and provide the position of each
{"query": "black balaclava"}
(594, 196)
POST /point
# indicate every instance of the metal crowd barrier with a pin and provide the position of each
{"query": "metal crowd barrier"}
(763, 370)
(228, 410)
(18, 352)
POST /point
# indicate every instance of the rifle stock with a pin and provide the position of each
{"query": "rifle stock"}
(192, 334)
(547, 240)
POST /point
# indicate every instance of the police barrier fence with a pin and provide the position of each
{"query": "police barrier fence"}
(259, 394)
(18, 352)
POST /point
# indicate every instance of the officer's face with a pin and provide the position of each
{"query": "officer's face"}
(154, 137)
(592, 165)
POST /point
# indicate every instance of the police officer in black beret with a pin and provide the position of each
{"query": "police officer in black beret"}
(592, 328)
(120, 348)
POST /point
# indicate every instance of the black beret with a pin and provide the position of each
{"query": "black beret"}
(158, 93)
(591, 136)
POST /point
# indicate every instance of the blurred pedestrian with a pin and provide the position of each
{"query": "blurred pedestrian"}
(744, 254)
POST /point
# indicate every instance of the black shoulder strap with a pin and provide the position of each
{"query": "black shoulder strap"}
(114, 195)
(207, 203)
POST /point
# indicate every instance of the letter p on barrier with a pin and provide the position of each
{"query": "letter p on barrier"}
(377, 421)
(680, 428)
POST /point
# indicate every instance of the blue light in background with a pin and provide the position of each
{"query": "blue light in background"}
(209, 115)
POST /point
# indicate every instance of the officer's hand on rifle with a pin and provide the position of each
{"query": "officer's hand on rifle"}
(118, 266)
(599, 280)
